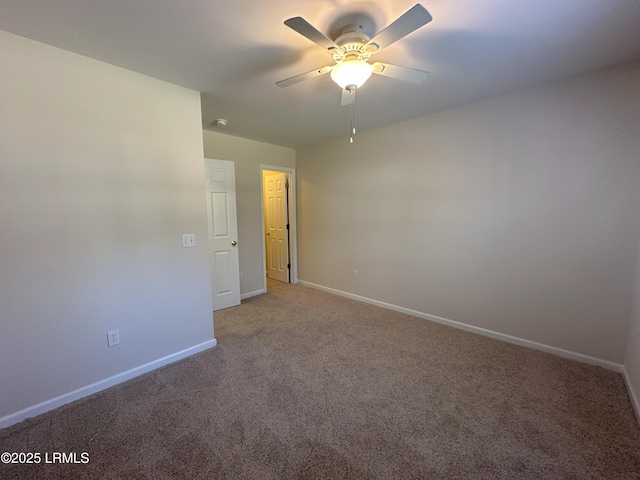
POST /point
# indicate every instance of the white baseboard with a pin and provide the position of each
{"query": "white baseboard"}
(87, 390)
(616, 367)
(635, 398)
(253, 294)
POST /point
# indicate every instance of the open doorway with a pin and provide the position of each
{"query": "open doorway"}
(278, 220)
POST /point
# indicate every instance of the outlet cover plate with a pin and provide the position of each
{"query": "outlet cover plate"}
(113, 338)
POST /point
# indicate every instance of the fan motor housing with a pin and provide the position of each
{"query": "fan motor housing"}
(352, 34)
(351, 42)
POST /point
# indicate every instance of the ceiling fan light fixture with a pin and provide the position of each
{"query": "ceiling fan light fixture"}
(351, 72)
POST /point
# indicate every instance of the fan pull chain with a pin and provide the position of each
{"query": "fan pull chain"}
(352, 126)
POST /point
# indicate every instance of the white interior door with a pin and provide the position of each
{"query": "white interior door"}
(223, 233)
(276, 220)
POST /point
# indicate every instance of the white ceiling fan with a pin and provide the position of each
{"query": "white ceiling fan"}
(352, 50)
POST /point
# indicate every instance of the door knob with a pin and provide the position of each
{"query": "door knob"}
(234, 243)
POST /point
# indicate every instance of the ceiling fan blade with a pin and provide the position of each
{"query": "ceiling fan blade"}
(414, 18)
(401, 73)
(305, 29)
(303, 76)
(348, 97)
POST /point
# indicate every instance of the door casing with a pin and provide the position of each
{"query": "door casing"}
(293, 252)
(276, 211)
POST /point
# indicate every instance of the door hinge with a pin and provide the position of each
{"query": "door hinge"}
(288, 265)
(286, 185)
(287, 226)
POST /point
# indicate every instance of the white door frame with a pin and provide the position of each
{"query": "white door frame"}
(293, 240)
(277, 224)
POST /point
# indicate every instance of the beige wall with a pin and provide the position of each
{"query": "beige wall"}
(518, 214)
(100, 174)
(248, 155)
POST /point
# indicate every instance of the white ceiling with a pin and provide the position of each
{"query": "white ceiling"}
(233, 51)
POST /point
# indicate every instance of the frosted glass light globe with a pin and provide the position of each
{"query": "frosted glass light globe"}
(351, 72)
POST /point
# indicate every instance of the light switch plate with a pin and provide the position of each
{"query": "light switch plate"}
(188, 240)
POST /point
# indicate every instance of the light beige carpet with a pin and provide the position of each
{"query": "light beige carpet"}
(304, 384)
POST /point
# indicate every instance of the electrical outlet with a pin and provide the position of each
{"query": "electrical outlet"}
(354, 273)
(113, 338)
(188, 240)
